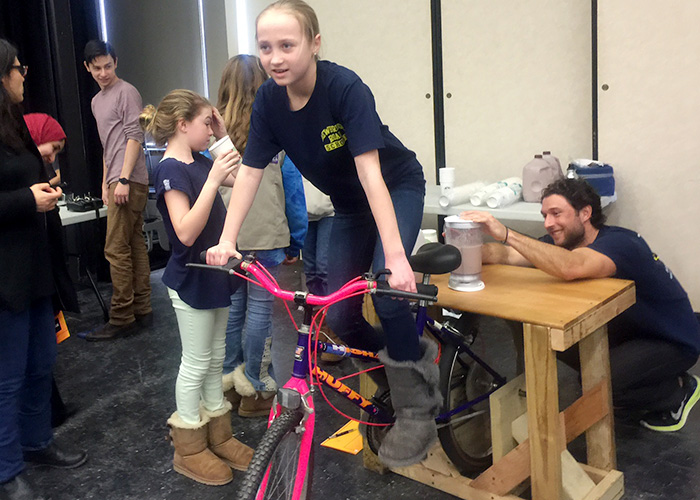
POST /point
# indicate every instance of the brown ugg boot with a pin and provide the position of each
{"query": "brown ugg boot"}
(253, 403)
(221, 440)
(327, 335)
(257, 405)
(192, 457)
(230, 393)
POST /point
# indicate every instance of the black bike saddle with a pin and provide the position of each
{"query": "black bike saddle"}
(436, 258)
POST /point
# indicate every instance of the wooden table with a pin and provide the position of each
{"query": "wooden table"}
(556, 315)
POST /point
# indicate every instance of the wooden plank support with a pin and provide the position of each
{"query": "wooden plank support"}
(506, 404)
(562, 339)
(611, 485)
(514, 468)
(576, 484)
(595, 370)
(438, 472)
(543, 408)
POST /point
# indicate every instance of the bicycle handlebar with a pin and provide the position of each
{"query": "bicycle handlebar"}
(249, 264)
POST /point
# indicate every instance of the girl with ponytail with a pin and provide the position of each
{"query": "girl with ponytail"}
(186, 184)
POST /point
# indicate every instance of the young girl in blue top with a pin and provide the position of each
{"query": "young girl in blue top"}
(186, 186)
(324, 117)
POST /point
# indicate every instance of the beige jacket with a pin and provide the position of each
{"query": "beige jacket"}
(265, 227)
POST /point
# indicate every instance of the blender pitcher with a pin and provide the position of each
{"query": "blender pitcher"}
(467, 237)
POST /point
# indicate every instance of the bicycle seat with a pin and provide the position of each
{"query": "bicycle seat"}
(436, 258)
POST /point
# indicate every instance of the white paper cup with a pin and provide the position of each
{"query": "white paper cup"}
(222, 146)
(447, 176)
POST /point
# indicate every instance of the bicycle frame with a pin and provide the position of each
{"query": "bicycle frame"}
(297, 394)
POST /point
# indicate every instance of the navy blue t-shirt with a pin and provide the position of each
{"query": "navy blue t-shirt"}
(662, 308)
(199, 288)
(339, 122)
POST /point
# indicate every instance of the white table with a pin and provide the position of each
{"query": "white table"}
(518, 211)
(68, 217)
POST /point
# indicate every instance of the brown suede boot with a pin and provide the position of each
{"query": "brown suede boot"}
(230, 392)
(192, 457)
(257, 405)
(221, 440)
(328, 336)
(253, 403)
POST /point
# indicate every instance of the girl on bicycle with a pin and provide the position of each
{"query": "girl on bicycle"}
(186, 186)
(275, 231)
(324, 117)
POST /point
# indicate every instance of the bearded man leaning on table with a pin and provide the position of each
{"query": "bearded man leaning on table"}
(654, 343)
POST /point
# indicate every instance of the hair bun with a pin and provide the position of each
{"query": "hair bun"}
(146, 117)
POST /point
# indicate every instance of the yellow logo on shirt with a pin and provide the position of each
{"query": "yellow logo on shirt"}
(335, 135)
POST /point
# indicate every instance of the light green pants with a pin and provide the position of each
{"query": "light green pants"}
(203, 338)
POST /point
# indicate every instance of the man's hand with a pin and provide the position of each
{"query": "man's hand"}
(121, 194)
(489, 224)
(221, 253)
(45, 196)
(105, 194)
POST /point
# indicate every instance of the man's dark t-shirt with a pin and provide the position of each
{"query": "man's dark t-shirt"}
(662, 309)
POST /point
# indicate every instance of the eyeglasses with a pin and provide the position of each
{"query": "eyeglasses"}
(22, 69)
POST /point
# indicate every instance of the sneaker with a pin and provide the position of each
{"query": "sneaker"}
(671, 421)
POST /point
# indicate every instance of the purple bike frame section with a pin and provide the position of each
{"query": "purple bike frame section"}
(301, 370)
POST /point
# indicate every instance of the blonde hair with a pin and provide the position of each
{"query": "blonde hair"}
(301, 11)
(240, 80)
(179, 104)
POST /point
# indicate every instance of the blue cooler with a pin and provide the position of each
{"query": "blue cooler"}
(600, 177)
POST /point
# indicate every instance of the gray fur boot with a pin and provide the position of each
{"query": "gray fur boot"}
(416, 397)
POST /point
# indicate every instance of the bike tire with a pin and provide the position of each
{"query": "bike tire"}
(466, 441)
(279, 450)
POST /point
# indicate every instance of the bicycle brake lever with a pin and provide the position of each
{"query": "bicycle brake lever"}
(375, 276)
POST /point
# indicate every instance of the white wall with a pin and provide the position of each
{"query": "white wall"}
(649, 118)
(649, 122)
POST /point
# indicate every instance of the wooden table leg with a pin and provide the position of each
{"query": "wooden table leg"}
(595, 367)
(543, 410)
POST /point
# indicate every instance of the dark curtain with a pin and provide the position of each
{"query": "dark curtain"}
(50, 36)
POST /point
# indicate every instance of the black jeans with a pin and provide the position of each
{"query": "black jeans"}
(644, 372)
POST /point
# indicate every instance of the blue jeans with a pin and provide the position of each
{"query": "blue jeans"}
(315, 255)
(251, 306)
(27, 356)
(354, 247)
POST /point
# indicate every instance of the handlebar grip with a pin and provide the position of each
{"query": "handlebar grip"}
(430, 290)
(425, 292)
(232, 263)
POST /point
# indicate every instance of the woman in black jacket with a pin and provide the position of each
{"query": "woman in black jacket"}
(32, 275)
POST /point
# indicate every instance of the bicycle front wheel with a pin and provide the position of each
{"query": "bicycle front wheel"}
(278, 451)
(466, 438)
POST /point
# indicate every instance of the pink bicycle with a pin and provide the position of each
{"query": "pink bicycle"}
(282, 465)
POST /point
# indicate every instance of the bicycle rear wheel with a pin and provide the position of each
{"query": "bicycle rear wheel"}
(279, 450)
(466, 438)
